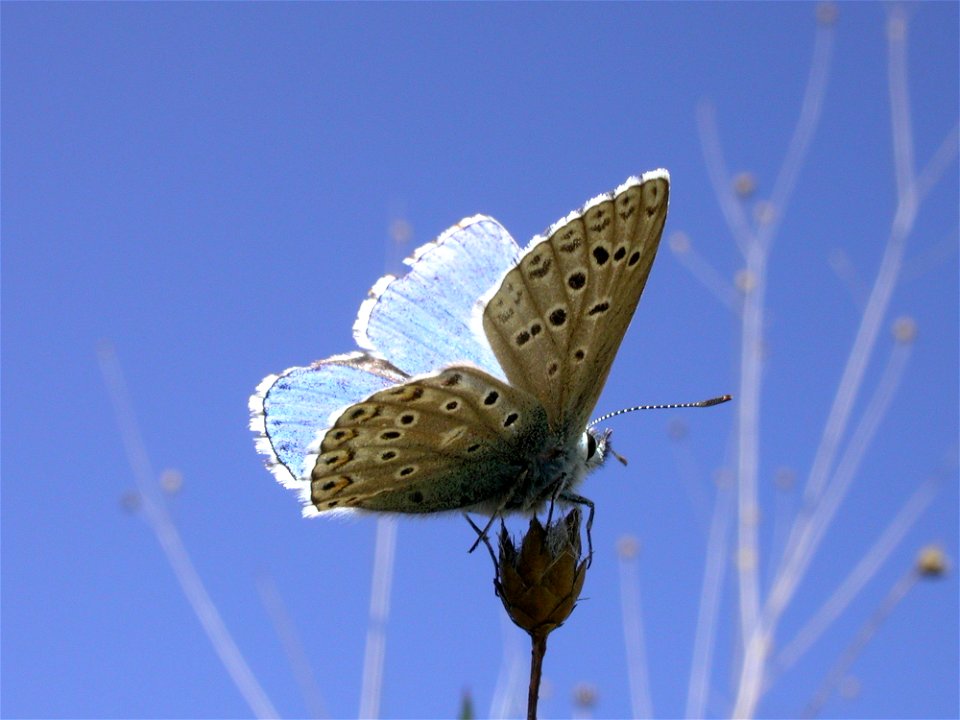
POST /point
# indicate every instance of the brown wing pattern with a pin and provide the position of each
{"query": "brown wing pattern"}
(442, 442)
(558, 317)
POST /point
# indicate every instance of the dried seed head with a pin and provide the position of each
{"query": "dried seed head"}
(785, 478)
(678, 430)
(679, 242)
(745, 281)
(932, 561)
(628, 547)
(539, 584)
(744, 184)
(171, 481)
(827, 13)
(130, 501)
(585, 695)
(904, 330)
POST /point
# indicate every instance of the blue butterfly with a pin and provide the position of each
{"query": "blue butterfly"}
(477, 371)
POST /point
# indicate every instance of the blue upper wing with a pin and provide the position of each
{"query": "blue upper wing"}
(424, 321)
(290, 410)
(416, 324)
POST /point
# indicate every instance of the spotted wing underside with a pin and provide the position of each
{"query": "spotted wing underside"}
(558, 317)
(453, 440)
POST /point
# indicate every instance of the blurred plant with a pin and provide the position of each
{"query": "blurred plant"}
(931, 563)
(539, 582)
(834, 465)
(151, 502)
(466, 707)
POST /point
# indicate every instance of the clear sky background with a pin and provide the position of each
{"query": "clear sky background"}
(210, 187)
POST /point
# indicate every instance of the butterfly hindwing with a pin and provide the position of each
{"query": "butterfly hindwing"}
(289, 410)
(447, 441)
(556, 320)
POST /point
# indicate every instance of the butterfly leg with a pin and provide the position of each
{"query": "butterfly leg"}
(553, 499)
(498, 513)
(482, 535)
(575, 499)
(512, 501)
(556, 494)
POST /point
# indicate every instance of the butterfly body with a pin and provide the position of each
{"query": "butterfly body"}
(481, 368)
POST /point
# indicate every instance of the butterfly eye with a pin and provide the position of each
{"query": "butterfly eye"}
(591, 445)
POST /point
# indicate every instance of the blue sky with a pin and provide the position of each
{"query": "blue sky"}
(210, 188)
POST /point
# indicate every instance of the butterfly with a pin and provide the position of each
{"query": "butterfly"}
(477, 370)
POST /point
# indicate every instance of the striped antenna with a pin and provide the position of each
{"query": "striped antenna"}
(671, 406)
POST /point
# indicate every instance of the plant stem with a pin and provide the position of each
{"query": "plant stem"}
(538, 648)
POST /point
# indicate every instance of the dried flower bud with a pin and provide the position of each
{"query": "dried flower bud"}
(744, 184)
(904, 330)
(827, 13)
(539, 584)
(679, 242)
(585, 695)
(932, 561)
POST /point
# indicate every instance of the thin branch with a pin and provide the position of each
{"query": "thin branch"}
(785, 501)
(748, 441)
(812, 523)
(810, 110)
(902, 126)
(931, 258)
(944, 156)
(371, 688)
(811, 527)
(172, 544)
(688, 474)
(860, 640)
(748, 401)
(818, 521)
(844, 269)
(506, 699)
(731, 207)
(710, 594)
(864, 571)
(371, 684)
(638, 673)
(701, 269)
(883, 285)
(753, 638)
(292, 647)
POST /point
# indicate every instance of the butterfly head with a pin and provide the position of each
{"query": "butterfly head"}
(596, 447)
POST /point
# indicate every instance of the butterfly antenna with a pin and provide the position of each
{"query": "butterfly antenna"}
(671, 406)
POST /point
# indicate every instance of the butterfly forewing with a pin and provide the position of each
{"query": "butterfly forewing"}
(558, 317)
(442, 442)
